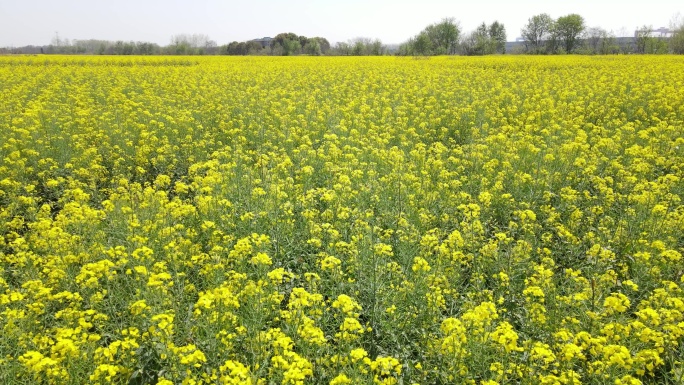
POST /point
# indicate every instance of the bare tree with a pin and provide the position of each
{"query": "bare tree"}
(599, 41)
(592, 38)
(191, 44)
(642, 38)
(343, 49)
(677, 38)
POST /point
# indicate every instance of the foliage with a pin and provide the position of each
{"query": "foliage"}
(195, 44)
(569, 28)
(536, 32)
(312, 47)
(436, 39)
(646, 43)
(242, 48)
(497, 32)
(231, 220)
(485, 40)
(543, 34)
(677, 40)
(291, 47)
(600, 42)
(360, 46)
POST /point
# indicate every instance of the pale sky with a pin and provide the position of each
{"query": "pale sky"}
(24, 22)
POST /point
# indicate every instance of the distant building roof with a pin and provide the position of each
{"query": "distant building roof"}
(264, 41)
(662, 32)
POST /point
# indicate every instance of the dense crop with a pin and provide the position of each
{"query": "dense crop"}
(331, 220)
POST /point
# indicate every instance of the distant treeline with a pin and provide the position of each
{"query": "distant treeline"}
(541, 35)
(283, 44)
(288, 44)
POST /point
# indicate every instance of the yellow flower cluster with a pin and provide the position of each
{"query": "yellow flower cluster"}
(246, 220)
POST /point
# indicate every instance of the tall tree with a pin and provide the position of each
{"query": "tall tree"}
(643, 37)
(477, 42)
(484, 45)
(359, 46)
(303, 40)
(677, 39)
(553, 41)
(376, 48)
(436, 39)
(342, 48)
(536, 31)
(497, 32)
(593, 37)
(485, 40)
(312, 47)
(445, 35)
(568, 29)
(422, 44)
(323, 43)
(599, 41)
(291, 47)
(280, 38)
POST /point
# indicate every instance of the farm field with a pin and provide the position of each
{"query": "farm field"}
(212, 220)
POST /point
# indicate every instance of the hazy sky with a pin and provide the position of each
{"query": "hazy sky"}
(24, 22)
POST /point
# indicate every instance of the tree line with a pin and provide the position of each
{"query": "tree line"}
(446, 38)
(542, 34)
(283, 44)
(183, 44)
(569, 34)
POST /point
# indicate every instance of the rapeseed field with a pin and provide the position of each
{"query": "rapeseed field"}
(499, 220)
